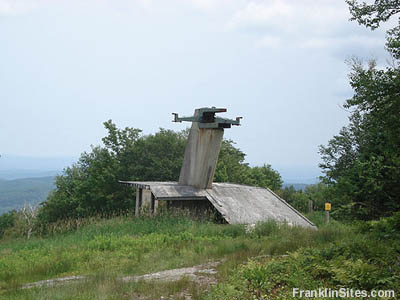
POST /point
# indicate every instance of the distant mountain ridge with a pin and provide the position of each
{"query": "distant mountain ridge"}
(15, 193)
(297, 186)
(22, 174)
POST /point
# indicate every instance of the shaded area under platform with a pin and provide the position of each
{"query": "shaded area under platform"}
(238, 204)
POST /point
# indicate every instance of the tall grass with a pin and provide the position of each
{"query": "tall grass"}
(358, 257)
(125, 245)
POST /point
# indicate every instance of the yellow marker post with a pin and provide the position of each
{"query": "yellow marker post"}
(327, 210)
(327, 206)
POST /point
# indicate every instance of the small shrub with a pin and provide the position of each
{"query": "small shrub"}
(266, 228)
(7, 220)
(384, 228)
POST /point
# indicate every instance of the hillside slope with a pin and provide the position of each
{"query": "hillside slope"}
(14, 193)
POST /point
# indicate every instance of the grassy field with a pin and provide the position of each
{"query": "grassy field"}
(252, 262)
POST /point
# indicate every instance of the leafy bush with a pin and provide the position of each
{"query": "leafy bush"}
(7, 220)
(385, 228)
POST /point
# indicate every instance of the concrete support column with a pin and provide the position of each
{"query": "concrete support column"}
(310, 206)
(201, 156)
(327, 216)
(152, 204)
(139, 196)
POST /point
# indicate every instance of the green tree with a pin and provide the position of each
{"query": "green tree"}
(88, 187)
(362, 163)
(318, 193)
(231, 166)
(264, 176)
(297, 198)
(91, 185)
(372, 15)
(155, 157)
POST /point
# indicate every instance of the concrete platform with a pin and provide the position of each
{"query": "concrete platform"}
(238, 204)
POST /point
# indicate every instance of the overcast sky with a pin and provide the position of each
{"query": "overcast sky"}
(68, 66)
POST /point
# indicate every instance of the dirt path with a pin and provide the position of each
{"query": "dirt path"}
(199, 273)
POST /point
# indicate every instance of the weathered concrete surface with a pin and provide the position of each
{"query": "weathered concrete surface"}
(201, 156)
(176, 274)
(145, 201)
(146, 198)
(238, 204)
(51, 282)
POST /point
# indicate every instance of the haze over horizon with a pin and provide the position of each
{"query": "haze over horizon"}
(15, 167)
(68, 66)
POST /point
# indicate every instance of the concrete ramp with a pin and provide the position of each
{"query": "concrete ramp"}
(238, 204)
(241, 204)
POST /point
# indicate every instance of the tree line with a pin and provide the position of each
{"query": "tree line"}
(362, 162)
